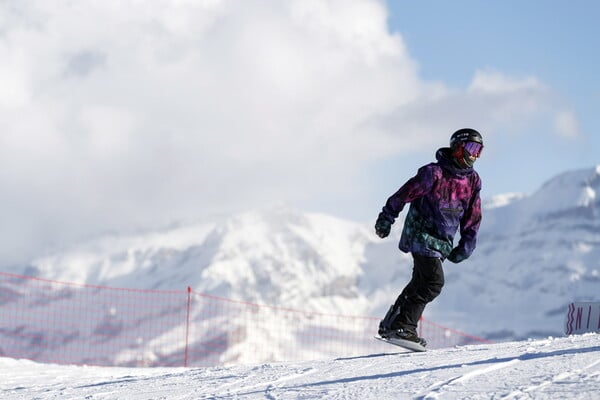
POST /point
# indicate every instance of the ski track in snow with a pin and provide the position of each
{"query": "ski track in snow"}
(544, 369)
(438, 388)
(577, 376)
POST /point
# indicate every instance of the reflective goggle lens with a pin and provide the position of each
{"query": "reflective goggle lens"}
(473, 148)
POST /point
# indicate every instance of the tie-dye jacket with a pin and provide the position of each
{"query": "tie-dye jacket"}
(443, 198)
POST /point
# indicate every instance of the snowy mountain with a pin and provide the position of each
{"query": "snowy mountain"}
(535, 255)
(543, 369)
(277, 257)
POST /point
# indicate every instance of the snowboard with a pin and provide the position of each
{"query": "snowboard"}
(405, 344)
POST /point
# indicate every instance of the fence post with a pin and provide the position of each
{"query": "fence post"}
(187, 326)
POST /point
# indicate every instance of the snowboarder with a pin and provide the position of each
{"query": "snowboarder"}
(444, 197)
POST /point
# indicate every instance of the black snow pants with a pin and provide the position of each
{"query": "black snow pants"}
(426, 284)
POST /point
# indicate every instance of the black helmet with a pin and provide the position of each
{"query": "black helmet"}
(459, 144)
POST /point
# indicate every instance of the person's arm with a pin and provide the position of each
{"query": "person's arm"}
(469, 226)
(415, 187)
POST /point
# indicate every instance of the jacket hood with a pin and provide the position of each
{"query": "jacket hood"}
(446, 161)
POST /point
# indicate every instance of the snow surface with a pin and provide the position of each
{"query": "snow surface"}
(554, 368)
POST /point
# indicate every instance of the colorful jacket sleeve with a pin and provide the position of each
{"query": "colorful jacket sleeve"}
(469, 224)
(416, 187)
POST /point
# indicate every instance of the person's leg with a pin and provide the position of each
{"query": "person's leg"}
(391, 320)
(426, 284)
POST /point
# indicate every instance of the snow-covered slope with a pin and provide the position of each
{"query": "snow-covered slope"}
(535, 255)
(543, 369)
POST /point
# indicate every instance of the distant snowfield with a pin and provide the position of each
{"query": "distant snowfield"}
(555, 368)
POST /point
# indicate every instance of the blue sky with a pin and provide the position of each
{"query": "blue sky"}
(553, 41)
(180, 111)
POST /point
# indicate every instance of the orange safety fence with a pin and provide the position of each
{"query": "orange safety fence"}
(67, 323)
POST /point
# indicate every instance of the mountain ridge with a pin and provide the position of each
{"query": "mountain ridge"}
(535, 254)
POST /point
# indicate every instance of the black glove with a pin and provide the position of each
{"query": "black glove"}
(383, 225)
(457, 255)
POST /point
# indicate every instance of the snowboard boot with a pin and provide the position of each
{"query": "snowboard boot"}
(383, 331)
(385, 325)
(406, 334)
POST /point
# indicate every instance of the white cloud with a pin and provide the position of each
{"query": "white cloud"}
(123, 114)
(14, 82)
(508, 98)
(495, 82)
(567, 124)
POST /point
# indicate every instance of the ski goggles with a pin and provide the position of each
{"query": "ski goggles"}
(473, 148)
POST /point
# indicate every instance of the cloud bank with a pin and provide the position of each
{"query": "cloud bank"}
(122, 115)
